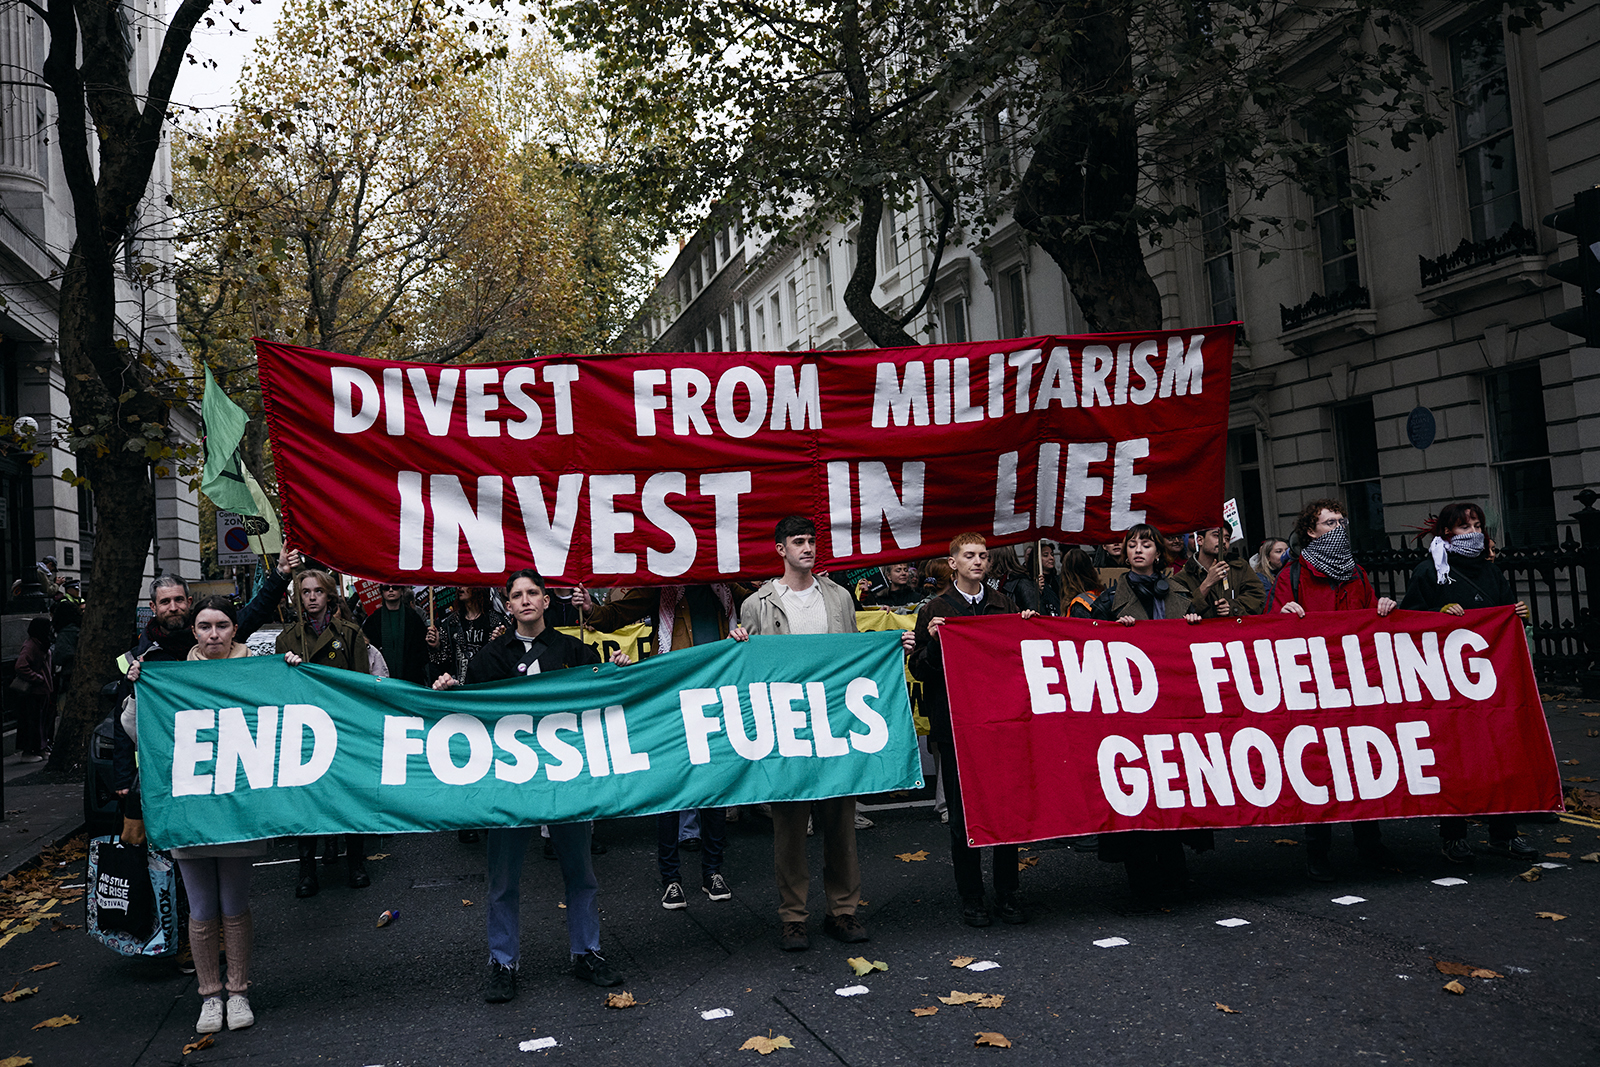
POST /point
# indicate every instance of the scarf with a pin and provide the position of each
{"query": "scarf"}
(320, 623)
(1152, 590)
(1330, 554)
(1468, 544)
(672, 598)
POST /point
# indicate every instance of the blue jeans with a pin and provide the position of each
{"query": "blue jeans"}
(505, 851)
(713, 837)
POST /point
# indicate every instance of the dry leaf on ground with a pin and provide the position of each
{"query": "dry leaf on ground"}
(912, 857)
(55, 928)
(1027, 861)
(1465, 969)
(993, 1040)
(1592, 733)
(1552, 916)
(931, 1009)
(1484, 972)
(620, 1000)
(863, 966)
(1563, 840)
(962, 961)
(1558, 855)
(195, 1046)
(1586, 714)
(378, 856)
(1569, 763)
(70, 1020)
(1580, 778)
(45, 966)
(766, 1045)
(958, 997)
(1455, 987)
(1225, 1009)
(14, 994)
(16, 1061)
(1285, 841)
(1532, 874)
(1593, 857)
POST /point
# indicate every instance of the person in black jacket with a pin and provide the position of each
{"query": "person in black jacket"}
(533, 648)
(967, 595)
(1459, 574)
(401, 634)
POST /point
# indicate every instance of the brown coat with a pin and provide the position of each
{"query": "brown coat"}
(341, 645)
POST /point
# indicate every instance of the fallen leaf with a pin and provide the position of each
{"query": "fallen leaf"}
(1593, 857)
(16, 994)
(378, 856)
(991, 1000)
(1558, 855)
(73, 1020)
(912, 857)
(1563, 840)
(1585, 714)
(1532, 874)
(863, 966)
(922, 1013)
(55, 928)
(1569, 763)
(45, 966)
(958, 997)
(1027, 861)
(1592, 733)
(1484, 972)
(1285, 841)
(620, 1000)
(563, 907)
(1224, 1008)
(962, 961)
(991, 1039)
(465, 903)
(1241, 840)
(195, 1046)
(1455, 987)
(1465, 969)
(766, 1045)
(1552, 916)
(1581, 778)
(16, 1061)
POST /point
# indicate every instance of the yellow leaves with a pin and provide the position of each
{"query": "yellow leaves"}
(205, 1041)
(766, 1045)
(963, 961)
(45, 966)
(923, 1013)
(1592, 857)
(620, 1000)
(16, 1061)
(1225, 1009)
(1563, 840)
(1580, 778)
(863, 966)
(1465, 969)
(58, 1022)
(1552, 916)
(977, 1000)
(1558, 855)
(1027, 861)
(912, 857)
(1285, 841)
(12, 995)
(1455, 986)
(993, 1040)
(1532, 874)
(465, 903)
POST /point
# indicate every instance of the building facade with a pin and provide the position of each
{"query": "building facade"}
(40, 513)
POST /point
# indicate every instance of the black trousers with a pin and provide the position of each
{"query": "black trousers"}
(1501, 827)
(1319, 836)
(968, 861)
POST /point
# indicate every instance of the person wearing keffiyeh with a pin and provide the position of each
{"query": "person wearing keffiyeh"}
(1321, 574)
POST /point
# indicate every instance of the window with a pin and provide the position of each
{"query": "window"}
(954, 314)
(1483, 128)
(891, 236)
(777, 320)
(741, 311)
(1013, 303)
(683, 295)
(708, 262)
(1216, 242)
(88, 519)
(761, 328)
(1245, 457)
(1359, 480)
(1336, 220)
(825, 275)
(697, 280)
(728, 344)
(1520, 454)
(722, 245)
(794, 309)
(998, 131)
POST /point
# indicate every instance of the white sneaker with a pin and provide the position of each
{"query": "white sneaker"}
(210, 1016)
(239, 1013)
(862, 822)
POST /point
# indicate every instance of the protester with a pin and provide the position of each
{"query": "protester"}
(466, 626)
(535, 648)
(44, 572)
(969, 595)
(1177, 552)
(1048, 581)
(401, 634)
(1080, 582)
(216, 878)
(324, 637)
(1007, 574)
(33, 692)
(66, 618)
(683, 616)
(1154, 859)
(1218, 587)
(899, 589)
(1321, 574)
(800, 602)
(1458, 574)
(936, 577)
(1268, 561)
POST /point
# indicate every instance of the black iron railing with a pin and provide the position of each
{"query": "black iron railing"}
(1320, 307)
(1516, 241)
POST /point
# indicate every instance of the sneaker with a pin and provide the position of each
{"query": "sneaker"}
(1011, 912)
(1518, 848)
(1318, 867)
(502, 983)
(592, 967)
(716, 887)
(862, 822)
(1457, 851)
(239, 1013)
(186, 960)
(846, 928)
(672, 897)
(210, 1016)
(973, 913)
(30, 757)
(795, 937)
(690, 844)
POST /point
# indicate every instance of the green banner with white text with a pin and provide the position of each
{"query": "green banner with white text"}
(242, 749)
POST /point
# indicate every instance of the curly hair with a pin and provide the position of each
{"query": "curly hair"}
(1311, 513)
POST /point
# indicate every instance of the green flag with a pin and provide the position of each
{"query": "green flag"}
(224, 477)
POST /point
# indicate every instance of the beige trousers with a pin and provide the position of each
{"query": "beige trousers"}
(841, 873)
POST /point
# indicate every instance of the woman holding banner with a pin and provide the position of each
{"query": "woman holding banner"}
(1321, 574)
(1459, 574)
(1154, 858)
(215, 877)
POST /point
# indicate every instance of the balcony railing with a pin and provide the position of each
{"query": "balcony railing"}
(1516, 241)
(1320, 307)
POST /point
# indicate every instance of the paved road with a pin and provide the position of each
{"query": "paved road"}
(1311, 981)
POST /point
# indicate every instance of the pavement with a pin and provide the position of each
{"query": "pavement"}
(1311, 976)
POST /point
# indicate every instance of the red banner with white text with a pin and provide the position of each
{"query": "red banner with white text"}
(1066, 726)
(675, 467)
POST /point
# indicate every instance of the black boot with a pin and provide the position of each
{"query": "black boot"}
(330, 850)
(308, 868)
(355, 858)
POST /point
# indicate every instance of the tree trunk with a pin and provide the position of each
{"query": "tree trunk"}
(1077, 196)
(877, 323)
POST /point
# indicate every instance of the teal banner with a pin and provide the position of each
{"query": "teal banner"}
(242, 749)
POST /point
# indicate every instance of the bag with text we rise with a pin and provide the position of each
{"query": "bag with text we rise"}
(132, 898)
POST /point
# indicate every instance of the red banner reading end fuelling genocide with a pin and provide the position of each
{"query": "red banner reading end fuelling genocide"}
(1066, 726)
(655, 468)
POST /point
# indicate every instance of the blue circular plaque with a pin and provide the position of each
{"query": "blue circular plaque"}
(1421, 427)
